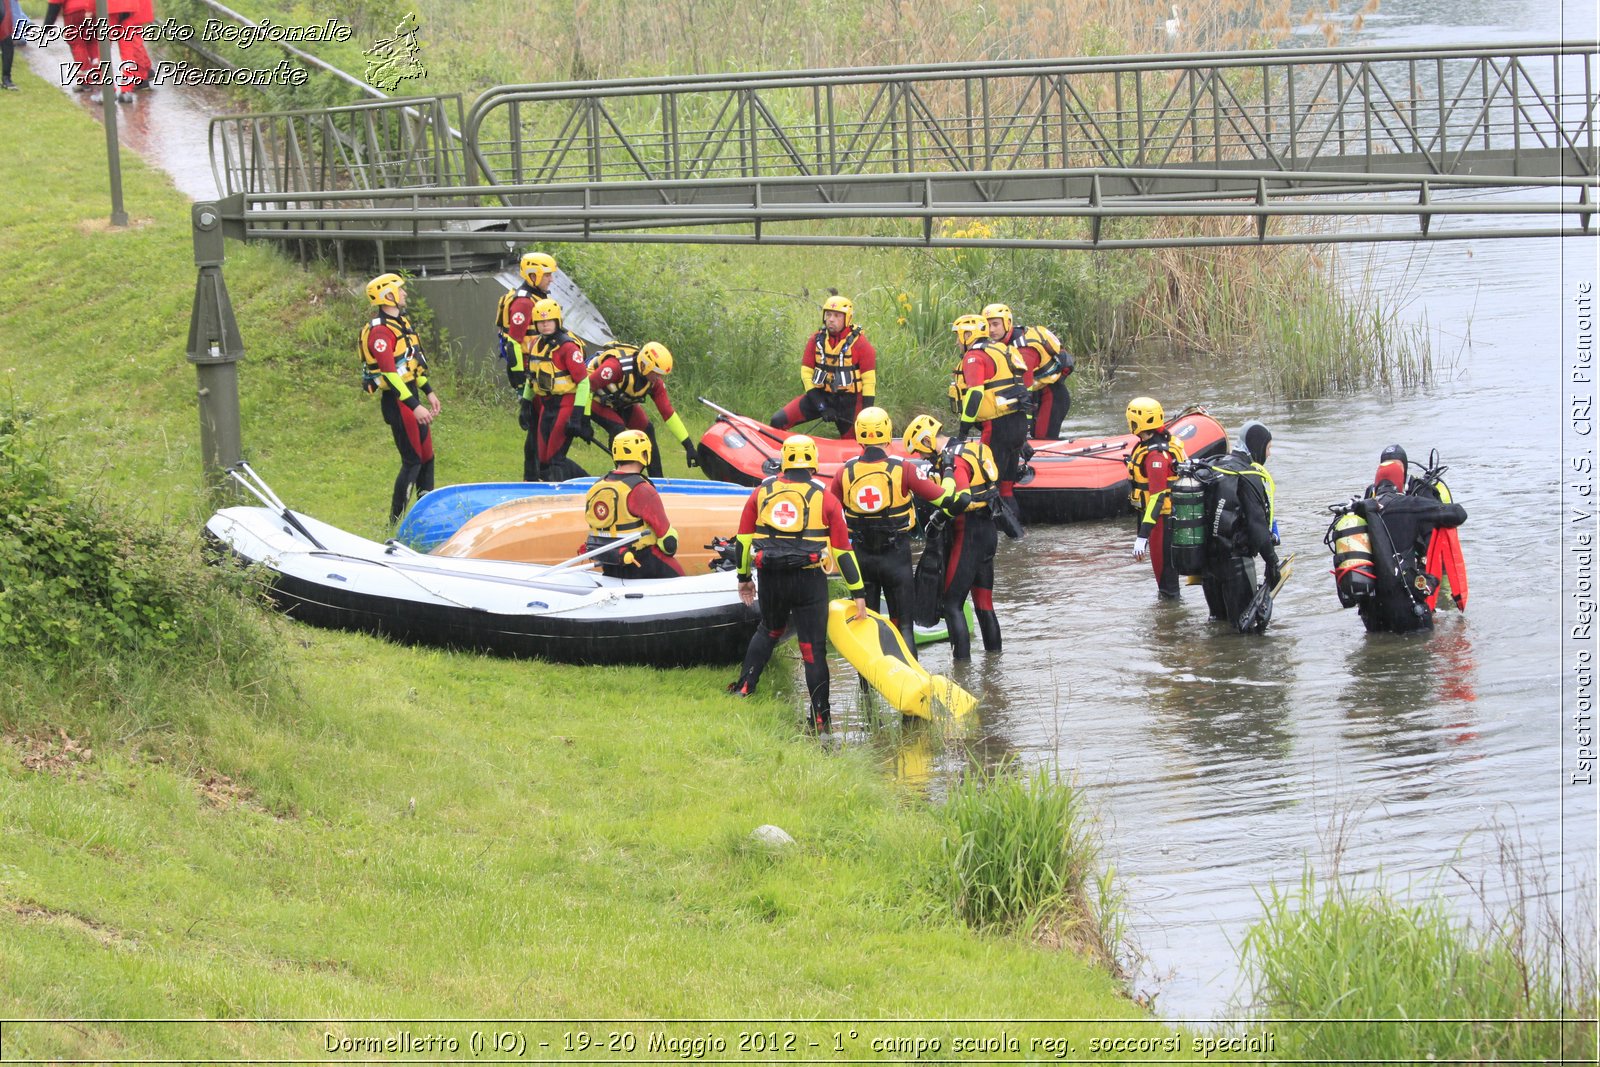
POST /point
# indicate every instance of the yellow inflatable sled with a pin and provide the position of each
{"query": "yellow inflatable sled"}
(875, 648)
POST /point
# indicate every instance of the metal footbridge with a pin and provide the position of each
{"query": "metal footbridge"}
(1282, 147)
(1302, 146)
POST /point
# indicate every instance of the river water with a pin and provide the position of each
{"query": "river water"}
(1221, 764)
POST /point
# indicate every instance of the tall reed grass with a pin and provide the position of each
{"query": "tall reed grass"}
(1022, 853)
(1359, 975)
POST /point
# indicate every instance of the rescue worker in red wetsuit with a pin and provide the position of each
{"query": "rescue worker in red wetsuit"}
(1045, 368)
(1399, 522)
(839, 372)
(85, 52)
(514, 316)
(624, 502)
(971, 486)
(133, 69)
(789, 524)
(393, 366)
(621, 378)
(988, 391)
(555, 370)
(876, 490)
(1150, 467)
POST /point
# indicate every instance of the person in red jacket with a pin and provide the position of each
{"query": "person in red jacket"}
(85, 52)
(514, 315)
(1150, 467)
(394, 367)
(134, 71)
(789, 523)
(839, 372)
(555, 371)
(621, 379)
(988, 391)
(623, 503)
(877, 492)
(1045, 368)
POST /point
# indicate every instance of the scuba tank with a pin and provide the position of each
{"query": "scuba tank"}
(1354, 573)
(1188, 528)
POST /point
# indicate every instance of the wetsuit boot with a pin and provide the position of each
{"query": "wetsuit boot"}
(989, 628)
(821, 718)
(755, 660)
(955, 621)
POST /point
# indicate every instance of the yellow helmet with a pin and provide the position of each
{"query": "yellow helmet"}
(1144, 414)
(922, 436)
(381, 290)
(536, 266)
(998, 311)
(841, 304)
(873, 427)
(969, 328)
(799, 451)
(546, 309)
(653, 358)
(631, 446)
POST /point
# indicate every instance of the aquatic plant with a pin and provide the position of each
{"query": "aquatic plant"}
(1022, 853)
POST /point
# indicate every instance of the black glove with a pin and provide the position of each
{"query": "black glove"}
(517, 378)
(525, 413)
(578, 426)
(691, 456)
(1273, 573)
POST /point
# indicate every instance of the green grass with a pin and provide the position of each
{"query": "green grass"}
(1363, 976)
(280, 821)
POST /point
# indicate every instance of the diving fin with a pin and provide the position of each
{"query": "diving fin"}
(1258, 614)
(1445, 561)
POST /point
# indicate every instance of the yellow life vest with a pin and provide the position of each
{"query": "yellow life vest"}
(605, 507)
(875, 500)
(984, 480)
(1003, 391)
(1139, 495)
(632, 388)
(547, 377)
(510, 350)
(835, 370)
(410, 365)
(791, 524)
(1048, 345)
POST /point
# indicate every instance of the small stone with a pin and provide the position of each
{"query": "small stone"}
(772, 836)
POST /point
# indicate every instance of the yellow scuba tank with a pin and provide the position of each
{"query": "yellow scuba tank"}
(1355, 574)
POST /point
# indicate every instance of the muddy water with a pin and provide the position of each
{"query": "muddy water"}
(1223, 764)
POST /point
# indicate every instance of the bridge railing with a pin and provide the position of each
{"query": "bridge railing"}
(1436, 111)
(384, 144)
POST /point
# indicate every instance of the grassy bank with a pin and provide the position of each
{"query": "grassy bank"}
(320, 824)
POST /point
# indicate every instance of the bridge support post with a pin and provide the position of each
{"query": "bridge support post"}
(214, 343)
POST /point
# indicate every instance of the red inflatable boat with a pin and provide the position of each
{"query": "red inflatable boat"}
(1065, 481)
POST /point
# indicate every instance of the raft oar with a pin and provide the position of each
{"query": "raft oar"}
(1086, 452)
(263, 492)
(732, 415)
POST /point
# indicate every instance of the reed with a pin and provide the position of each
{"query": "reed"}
(1022, 854)
(1357, 974)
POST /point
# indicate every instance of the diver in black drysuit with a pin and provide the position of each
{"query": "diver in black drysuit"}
(1243, 528)
(1397, 523)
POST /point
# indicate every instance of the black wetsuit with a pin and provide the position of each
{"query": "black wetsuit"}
(1243, 531)
(1397, 523)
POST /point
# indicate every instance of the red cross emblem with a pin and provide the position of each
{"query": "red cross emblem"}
(784, 515)
(602, 510)
(869, 499)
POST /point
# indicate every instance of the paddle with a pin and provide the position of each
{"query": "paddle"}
(263, 492)
(732, 415)
(1259, 613)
